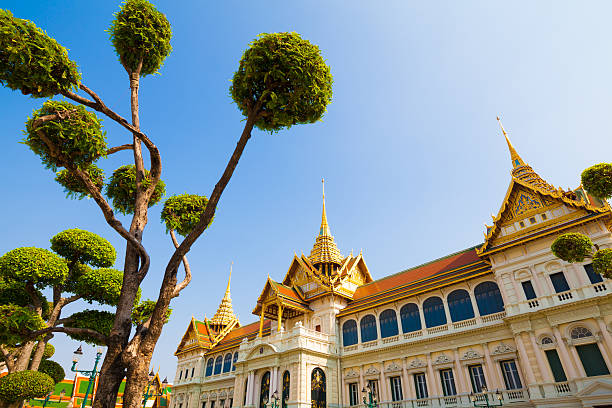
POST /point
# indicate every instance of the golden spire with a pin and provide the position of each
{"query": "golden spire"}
(325, 249)
(225, 313)
(516, 159)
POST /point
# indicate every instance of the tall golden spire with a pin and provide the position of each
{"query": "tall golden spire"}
(521, 170)
(225, 313)
(325, 249)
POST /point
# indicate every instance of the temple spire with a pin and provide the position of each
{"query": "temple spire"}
(225, 313)
(514, 156)
(325, 249)
(324, 230)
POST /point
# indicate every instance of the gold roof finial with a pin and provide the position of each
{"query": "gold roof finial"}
(516, 159)
(225, 313)
(324, 226)
(325, 249)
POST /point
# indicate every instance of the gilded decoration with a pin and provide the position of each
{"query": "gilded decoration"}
(318, 388)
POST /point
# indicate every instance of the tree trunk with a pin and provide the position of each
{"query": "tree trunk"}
(137, 375)
(24, 356)
(38, 354)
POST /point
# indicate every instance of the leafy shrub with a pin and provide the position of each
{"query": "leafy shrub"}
(52, 369)
(597, 180)
(29, 264)
(572, 247)
(101, 285)
(84, 247)
(49, 351)
(99, 321)
(602, 262)
(31, 61)
(16, 322)
(74, 187)
(78, 136)
(142, 311)
(122, 189)
(182, 212)
(14, 293)
(24, 385)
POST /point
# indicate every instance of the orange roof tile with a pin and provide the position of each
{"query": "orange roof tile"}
(244, 331)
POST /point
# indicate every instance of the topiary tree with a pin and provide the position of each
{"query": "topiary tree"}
(24, 385)
(52, 369)
(282, 80)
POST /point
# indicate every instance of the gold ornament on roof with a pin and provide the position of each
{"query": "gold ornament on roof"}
(325, 249)
(225, 313)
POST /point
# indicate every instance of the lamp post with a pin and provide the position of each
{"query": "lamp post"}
(47, 398)
(62, 395)
(497, 396)
(273, 402)
(91, 373)
(148, 394)
(369, 398)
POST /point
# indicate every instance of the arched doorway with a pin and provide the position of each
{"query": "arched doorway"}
(318, 387)
(285, 393)
(264, 393)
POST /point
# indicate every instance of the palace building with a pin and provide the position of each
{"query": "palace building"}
(504, 322)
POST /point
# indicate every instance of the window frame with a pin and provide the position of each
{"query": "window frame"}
(420, 385)
(395, 383)
(353, 389)
(511, 374)
(447, 380)
(478, 380)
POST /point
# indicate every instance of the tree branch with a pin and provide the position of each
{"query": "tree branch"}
(8, 359)
(178, 288)
(70, 330)
(119, 148)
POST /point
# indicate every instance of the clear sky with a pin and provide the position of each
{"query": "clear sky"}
(410, 149)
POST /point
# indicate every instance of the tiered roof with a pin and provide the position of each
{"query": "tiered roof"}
(225, 313)
(325, 249)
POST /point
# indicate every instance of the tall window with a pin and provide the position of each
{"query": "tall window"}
(286, 387)
(592, 360)
(388, 323)
(528, 289)
(559, 282)
(420, 385)
(477, 377)
(318, 389)
(186, 373)
(594, 277)
(488, 298)
(203, 404)
(511, 375)
(411, 321)
(555, 365)
(353, 394)
(180, 374)
(234, 361)
(460, 305)
(218, 364)
(448, 382)
(227, 363)
(349, 333)
(264, 391)
(368, 328)
(192, 371)
(212, 404)
(373, 384)
(209, 367)
(433, 310)
(396, 389)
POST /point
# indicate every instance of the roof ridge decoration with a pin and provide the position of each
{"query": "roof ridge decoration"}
(325, 249)
(225, 315)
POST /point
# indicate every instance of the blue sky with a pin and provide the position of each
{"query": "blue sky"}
(410, 149)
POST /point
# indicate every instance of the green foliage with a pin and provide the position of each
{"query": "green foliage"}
(49, 351)
(33, 62)
(78, 136)
(572, 247)
(74, 187)
(96, 320)
(122, 189)
(597, 180)
(84, 247)
(35, 265)
(602, 262)
(14, 293)
(52, 369)
(289, 75)
(182, 212)
(16, 322)
(101, 285)
(142, 311)
(24, 385)
(138, 32)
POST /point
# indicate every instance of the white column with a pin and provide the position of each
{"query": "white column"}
(605, 334)
(576, 358)
(546, 377)
(408, 388)
(422, 317)
(383, 384)
(474, 305)
(459, 373)
(447, 312)
(604, 354)
(564, 354)
(493, 382)
(524, 360)
(432, 384)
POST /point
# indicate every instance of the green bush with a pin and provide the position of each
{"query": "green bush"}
(572, 247)
(99, 321)
(122, 189)
(140, 31)
(14, 293)
(602, 262)
(31, 61)
(84, 247)
(101, 285)
(182, 212)
(16, 322)
(24, 385)
(49, 351)
(78, 137)
(29, 264)
(597, 180)
(52, 369)
(289, 75)
(74, 187)
(144, 310)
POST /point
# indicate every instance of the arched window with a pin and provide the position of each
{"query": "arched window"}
(234, 361)
(317, 388)
(488, 298)
(227, 363)
(460, 305)
(285, 393)
(218, 365)
(368, 328)
(433, 310)
(411, 321)
(349, 333)
(388, 323)
(547, 340)
(580, 333)
(264, 393)
(209, 367)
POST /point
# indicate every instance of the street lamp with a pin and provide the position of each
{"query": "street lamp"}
(369, 398)
(91, 373)
(148, 394)
(62, 395)
(497, 396)
(273, 401)
(47, 398)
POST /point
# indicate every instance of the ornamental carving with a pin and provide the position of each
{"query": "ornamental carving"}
(203, 396)
(393, 367)
(417, 363)
(231, 393)
(213, 395)
(503, 349)
(372, 371)
(351, 374)
(442, 359)
(471, 354)
(223, 394)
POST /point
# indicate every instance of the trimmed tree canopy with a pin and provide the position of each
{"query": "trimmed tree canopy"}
(182, 212)
(77, 135)
(49, 350)
(31, 61)
(122, 189)
(101, 285)
(24, 385)
(14, 293)
(16, 322)
(572, 247)
(52, 369)
(84, 247)
(602, 262)
(35, 265)
(141, 33)
(290, 77)
(597, 180)
(144, 310)
(96, 320)
(74, 187)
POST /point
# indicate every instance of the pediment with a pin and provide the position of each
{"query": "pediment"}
(595, 389)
